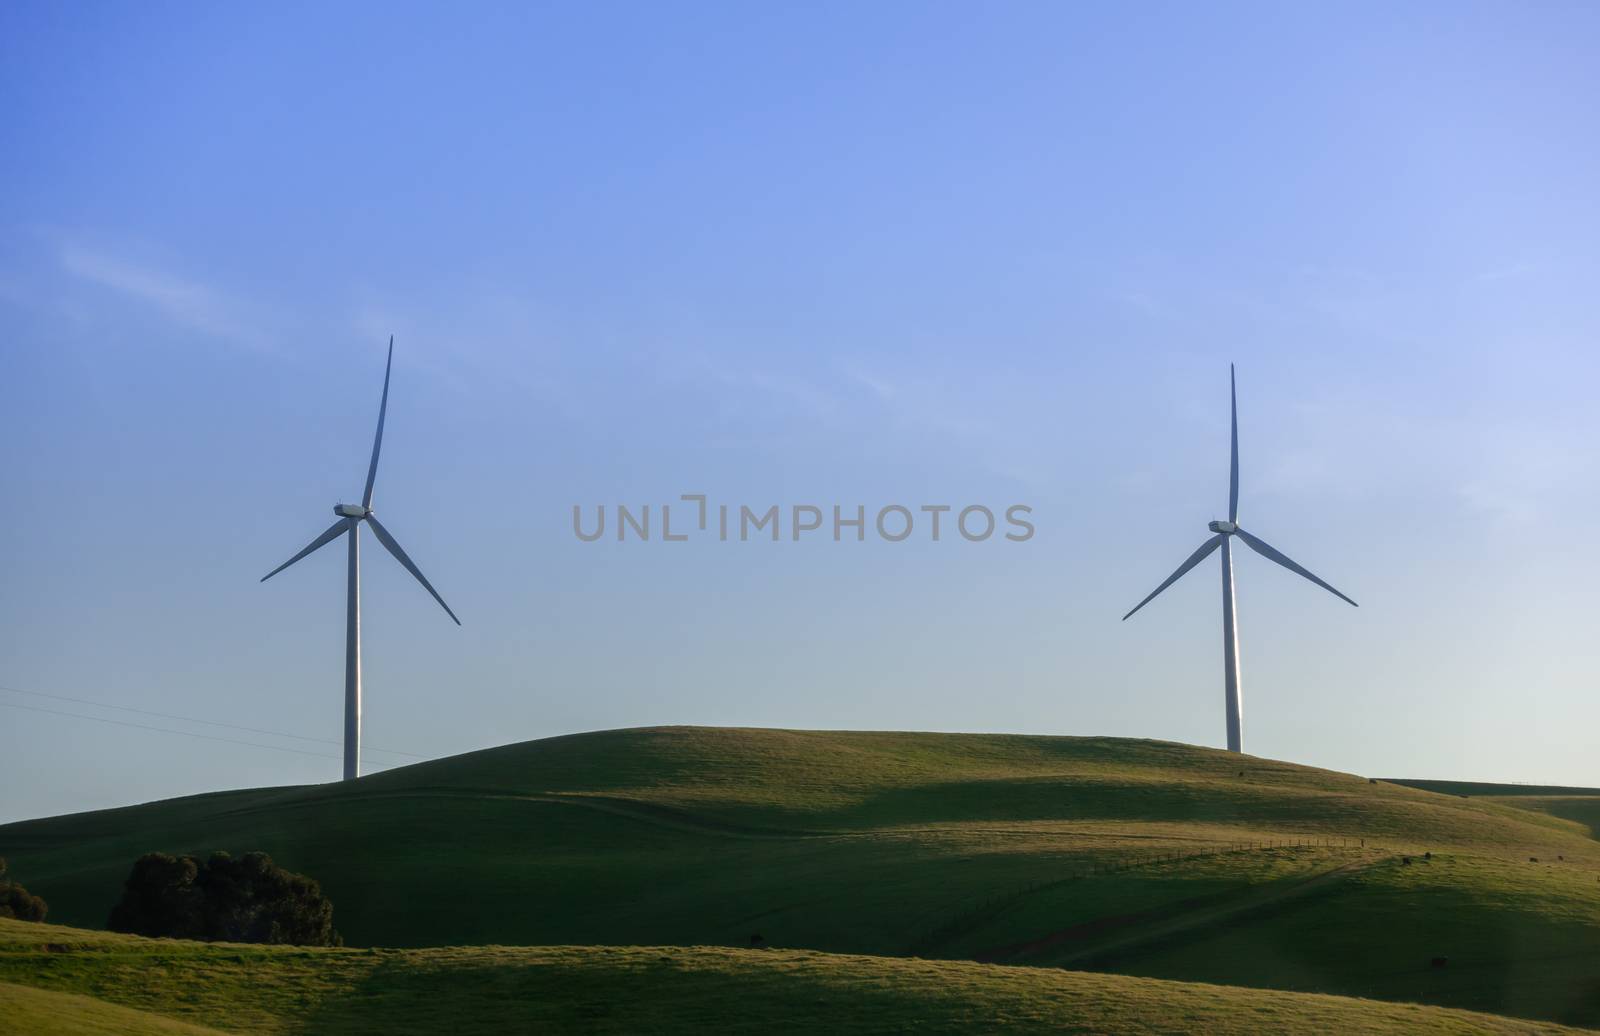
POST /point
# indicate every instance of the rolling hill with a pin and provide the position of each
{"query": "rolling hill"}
(63, 980)
(1139, 857)
(1580, 805)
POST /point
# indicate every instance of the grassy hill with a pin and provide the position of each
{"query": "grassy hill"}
(1131, 856)
(40, 1012)
(1580, 805)
(53, 979)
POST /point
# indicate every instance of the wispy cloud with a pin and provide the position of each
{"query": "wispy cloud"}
(184, 302)
(741, 392)
(1000, 423)
(1520, 467)
(482, 336)
(1511, 471)
(1514, 271)
(997, 421)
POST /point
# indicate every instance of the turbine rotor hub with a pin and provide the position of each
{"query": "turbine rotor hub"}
(1226, 528)
(351, 511)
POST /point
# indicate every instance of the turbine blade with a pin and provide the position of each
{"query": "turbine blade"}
(1194, 559)
(327, 537)
(1271, 553)
(377, 440)
(1233, 467)
(400, 556)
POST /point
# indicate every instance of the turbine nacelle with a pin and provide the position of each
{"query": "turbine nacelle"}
(351, 511)
(1226, 528)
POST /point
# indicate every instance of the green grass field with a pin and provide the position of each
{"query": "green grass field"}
(63, 980)
(1580, 805)
(40, 1012)
(1136, 857)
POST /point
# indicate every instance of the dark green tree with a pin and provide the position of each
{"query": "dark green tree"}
(248, 899)
(17, 902)
(252, 899)
(161, 899)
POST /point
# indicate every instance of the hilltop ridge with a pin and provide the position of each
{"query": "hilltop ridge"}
(1127, 855)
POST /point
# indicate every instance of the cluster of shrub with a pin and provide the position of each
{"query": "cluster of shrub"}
(223, 898)
(15, 901)
(249, 899)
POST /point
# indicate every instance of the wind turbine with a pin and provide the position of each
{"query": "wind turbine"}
(1225, 531)
(349, 525)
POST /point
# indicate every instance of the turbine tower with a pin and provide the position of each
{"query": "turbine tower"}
(1225, 532)
(349, 525)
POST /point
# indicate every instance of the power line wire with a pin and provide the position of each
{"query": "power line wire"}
(191, 719)
(166, 730)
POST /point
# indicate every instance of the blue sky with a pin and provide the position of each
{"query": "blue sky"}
(892, 253)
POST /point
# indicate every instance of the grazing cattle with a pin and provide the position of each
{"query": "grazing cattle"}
(1405, 861)
(1427, 856)
(1533, 859)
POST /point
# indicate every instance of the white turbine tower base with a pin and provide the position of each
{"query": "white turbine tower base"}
(349, 524)
(1225, 532)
